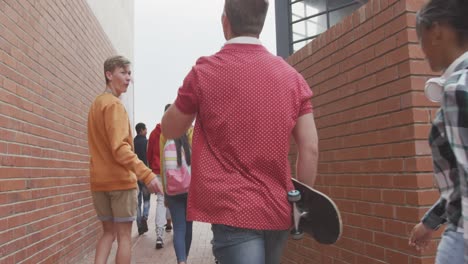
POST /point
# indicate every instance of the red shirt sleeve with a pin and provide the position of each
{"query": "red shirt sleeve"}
(149, 150)
(153, 150)
(187, 101)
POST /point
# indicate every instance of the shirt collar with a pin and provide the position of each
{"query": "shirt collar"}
(244, 40)
(454, 65)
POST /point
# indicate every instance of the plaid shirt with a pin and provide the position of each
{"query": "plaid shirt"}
(449, 143)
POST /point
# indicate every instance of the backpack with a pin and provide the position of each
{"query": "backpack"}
(176, 179)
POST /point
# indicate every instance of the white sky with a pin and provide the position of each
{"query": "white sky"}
(169, 37)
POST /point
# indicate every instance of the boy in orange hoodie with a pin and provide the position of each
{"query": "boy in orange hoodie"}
(114, 167)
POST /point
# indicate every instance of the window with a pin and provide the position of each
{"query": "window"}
(310, 18)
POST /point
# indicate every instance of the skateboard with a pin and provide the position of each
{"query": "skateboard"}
(314, 213)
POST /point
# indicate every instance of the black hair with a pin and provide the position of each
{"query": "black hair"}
(180, 143)
(453, 13)
(140, 127)
(166, 107)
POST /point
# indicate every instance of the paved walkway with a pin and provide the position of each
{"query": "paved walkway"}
(144, 246)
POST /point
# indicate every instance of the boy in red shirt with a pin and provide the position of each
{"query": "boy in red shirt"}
(247, 103)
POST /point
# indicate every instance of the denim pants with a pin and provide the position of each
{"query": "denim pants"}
(232, 245)
(143, 194)
(181, 227)
(451, 248)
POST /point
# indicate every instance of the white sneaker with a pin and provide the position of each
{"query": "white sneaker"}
(159, 243)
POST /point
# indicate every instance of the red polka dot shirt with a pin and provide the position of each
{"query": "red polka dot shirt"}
(247, 102)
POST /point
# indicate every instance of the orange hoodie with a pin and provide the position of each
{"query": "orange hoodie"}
(113, 164)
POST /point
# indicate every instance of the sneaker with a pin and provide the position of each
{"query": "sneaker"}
(168, 228)
(144, 226)
(140, 231)
(159, 243)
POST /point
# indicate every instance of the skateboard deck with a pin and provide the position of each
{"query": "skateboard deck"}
(314, 213)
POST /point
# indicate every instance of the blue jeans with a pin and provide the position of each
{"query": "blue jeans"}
(145, 195)
(232, 245)
(451, 248)
(181, 227)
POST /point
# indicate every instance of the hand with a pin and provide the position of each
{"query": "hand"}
(155, 186)
(420, 236)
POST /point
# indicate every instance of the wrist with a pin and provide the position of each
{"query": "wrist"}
(150, 179)
(429, 228)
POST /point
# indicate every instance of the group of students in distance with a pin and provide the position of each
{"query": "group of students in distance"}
(247, 104)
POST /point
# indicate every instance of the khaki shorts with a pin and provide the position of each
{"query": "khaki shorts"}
(116, 206)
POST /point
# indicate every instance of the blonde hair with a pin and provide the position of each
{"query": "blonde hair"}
(114, 62)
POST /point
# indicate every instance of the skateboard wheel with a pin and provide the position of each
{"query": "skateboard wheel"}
(296, 235)
(294, 196)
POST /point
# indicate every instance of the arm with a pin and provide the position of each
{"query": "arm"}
(305, 135)
(175, 123)
(150, 151)
(117, 129)
(144, 154)
(179, 117)
(435, 216)
(422, 232)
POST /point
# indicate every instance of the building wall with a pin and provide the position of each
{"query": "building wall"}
(367, 74)
(51, 57)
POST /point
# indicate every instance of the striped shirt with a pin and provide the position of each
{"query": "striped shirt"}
(170, 155)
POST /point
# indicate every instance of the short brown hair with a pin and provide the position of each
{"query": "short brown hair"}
(114, 62)
(247, 17)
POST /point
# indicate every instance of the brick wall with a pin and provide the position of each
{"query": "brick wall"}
(368, 75)
(51, 55)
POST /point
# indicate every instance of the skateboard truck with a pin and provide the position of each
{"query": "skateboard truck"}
(294, 196)
(315, 214)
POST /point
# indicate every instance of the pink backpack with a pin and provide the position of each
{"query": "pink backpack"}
(176, 179)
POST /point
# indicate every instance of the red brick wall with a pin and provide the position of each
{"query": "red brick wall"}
(368, 75)
(51, 55)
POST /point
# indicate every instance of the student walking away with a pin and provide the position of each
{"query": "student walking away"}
(442, 27)
(163, 216)
(114, 167)
(176, 182)
(144, 195)
(247, 103)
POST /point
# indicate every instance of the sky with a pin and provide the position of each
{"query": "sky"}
(169, 37)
